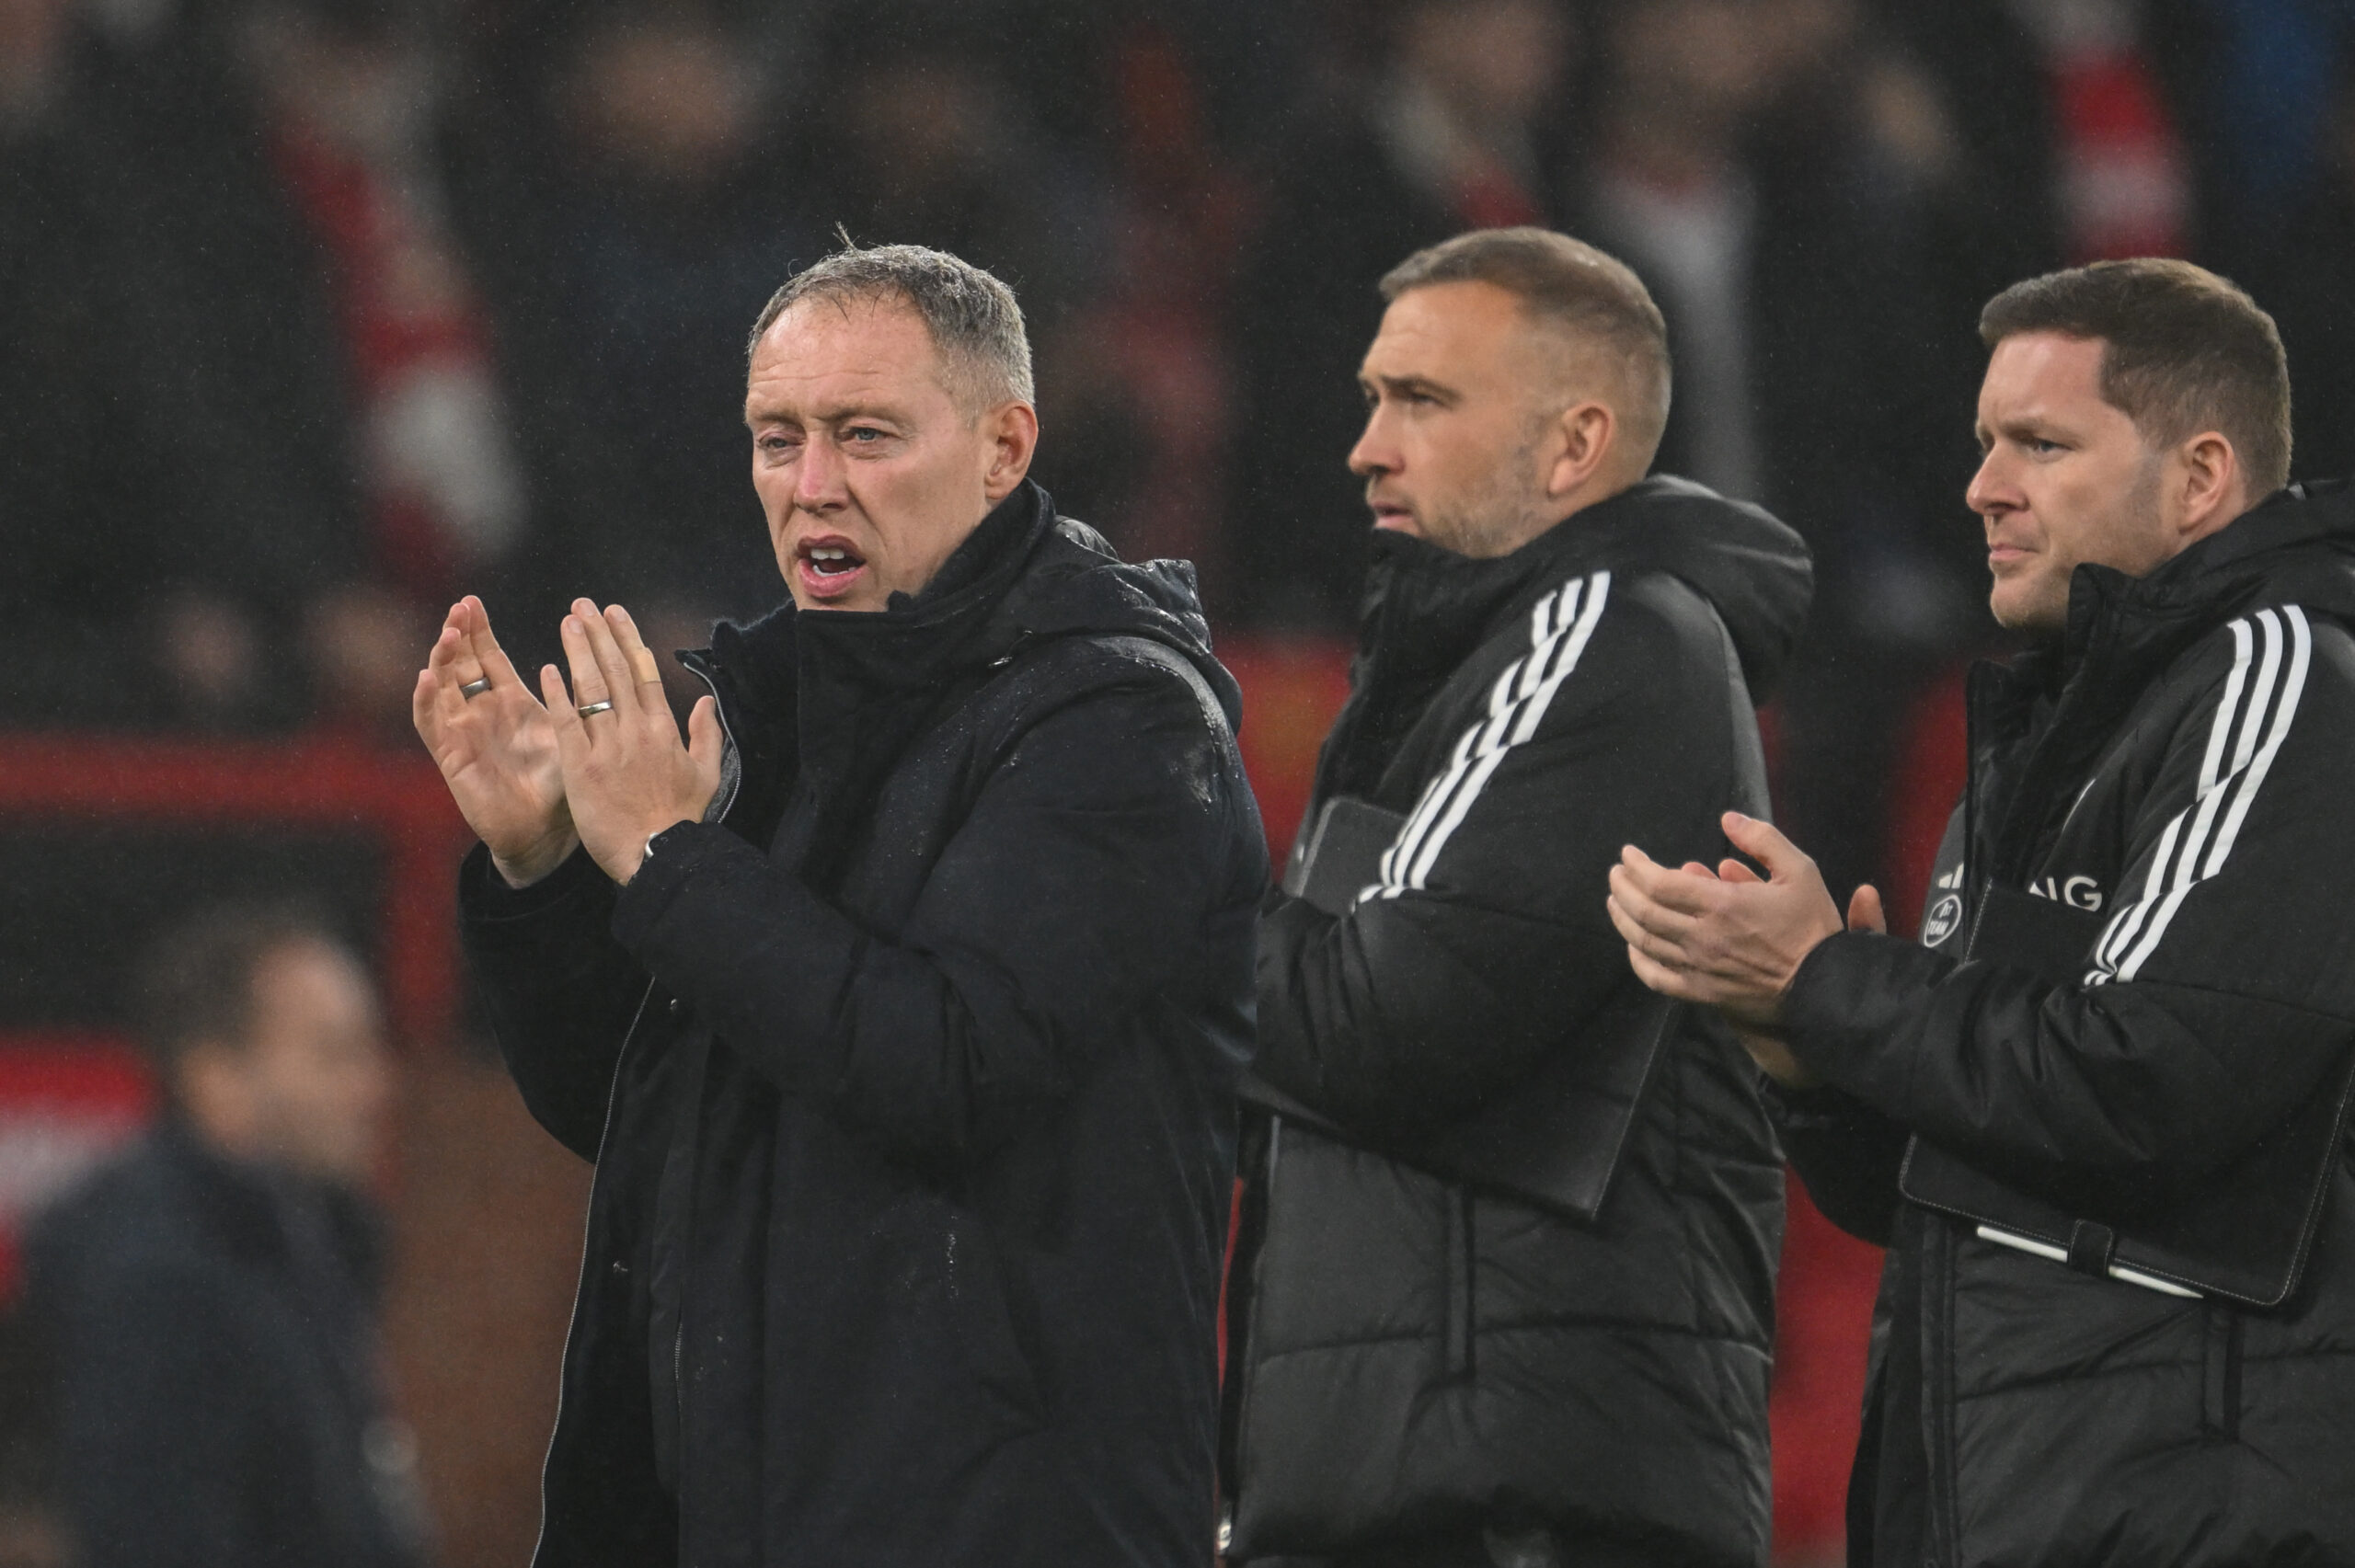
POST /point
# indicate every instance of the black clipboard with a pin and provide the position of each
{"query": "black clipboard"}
(2244, 1235)
(1556, 1141)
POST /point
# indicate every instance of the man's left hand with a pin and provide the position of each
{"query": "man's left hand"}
(1726, 940)
(626, 775)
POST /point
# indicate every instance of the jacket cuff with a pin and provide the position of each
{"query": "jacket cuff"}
(487, 900)
(646, 897)
(1851, 1001)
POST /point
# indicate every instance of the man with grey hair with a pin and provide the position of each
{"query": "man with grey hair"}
(900, 1007)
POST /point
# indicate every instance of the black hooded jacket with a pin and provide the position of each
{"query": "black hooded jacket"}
(1426, 1355)
(910, 1085)
(2126, 1039)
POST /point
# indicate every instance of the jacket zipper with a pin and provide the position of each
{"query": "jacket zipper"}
(728, 735)
(612, 1094)
(679, 1329)
(579, 1287)
(1238, 1351)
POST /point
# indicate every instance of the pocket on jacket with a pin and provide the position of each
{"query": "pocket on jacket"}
(2220, 1382)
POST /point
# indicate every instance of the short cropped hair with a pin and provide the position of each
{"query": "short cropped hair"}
(197, 983)
(974, 318)
(1597, 297)
(2183, 351)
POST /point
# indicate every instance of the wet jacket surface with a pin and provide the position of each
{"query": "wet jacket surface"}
(2175, 773)
(1425, 1356)
(909, 1083)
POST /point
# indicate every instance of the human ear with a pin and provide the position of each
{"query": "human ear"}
(1584, 437)
(1014, 440)
(2207, 484)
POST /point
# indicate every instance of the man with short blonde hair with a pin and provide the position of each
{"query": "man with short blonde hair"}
(1505, 1290)
(1603, 327)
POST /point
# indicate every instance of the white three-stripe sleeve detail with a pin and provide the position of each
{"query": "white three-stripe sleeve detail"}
(1561, 629)
(2302, 648)
(2246, 785)
(2127, 925)
(2281, 644)
(1566, 658)
(1468, 747)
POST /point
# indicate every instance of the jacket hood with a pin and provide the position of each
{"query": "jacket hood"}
(2296, 547)
(1078, 586)
(1755, 571)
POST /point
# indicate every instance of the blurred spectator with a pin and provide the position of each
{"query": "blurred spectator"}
(923, 143)
(210, 1297)
(635, 189)
(2250, 86)
(1137, 384)
(2310, 288)
(1668, 189)
(1780, 172)
(2125, 181)
(278, 409)
(57, 478)
(1448, 135)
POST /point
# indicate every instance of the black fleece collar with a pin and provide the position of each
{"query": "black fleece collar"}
(764, 661)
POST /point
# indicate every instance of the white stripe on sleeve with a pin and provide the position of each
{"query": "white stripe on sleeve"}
(1559, 629)
(2258, 713)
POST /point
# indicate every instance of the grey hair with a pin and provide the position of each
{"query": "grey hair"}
(972, 316)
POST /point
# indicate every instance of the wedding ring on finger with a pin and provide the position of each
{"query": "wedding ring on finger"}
(473, 689)
(587, 709)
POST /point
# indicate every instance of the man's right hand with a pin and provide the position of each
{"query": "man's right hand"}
(1768, 1048)
(497, 751)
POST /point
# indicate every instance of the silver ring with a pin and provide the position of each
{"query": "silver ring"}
(587, 709)
(473, 689)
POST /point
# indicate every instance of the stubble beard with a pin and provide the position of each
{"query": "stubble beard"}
(1500, 516)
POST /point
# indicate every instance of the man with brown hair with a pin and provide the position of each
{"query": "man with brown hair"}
(1504, 1289)
(2097, 1114)
(211, 1296)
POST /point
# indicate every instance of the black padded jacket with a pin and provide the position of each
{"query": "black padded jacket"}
(1423, 1353)
(2096, 1114)
(909, 1083)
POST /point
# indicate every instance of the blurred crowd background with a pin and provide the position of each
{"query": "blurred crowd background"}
(319, 313)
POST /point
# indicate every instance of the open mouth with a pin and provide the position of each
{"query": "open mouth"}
(828, 567)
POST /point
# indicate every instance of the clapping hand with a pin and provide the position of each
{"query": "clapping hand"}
(625, 772)
(495, 746)
(1730, 940)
